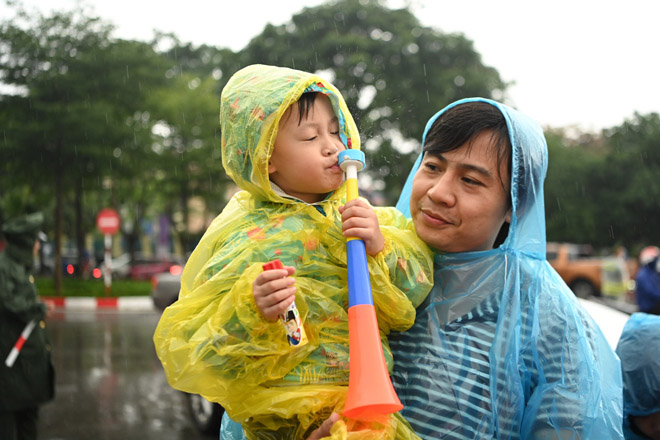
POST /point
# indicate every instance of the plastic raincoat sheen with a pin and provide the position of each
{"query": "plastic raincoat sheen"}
(501, 348)
(639, 350)
(213, 340)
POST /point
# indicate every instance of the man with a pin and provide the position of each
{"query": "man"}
(647, 281)
(501, 348)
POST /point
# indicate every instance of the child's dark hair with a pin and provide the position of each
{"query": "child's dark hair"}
(460, 125)
(305, 104)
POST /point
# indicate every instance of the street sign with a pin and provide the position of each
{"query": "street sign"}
(108, 221)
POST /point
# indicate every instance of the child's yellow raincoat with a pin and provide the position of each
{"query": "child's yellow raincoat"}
(213, 340)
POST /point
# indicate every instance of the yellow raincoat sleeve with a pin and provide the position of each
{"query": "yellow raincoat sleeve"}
(214, 337)
(407, 264)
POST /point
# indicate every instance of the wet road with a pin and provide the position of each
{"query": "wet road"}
(109, 382)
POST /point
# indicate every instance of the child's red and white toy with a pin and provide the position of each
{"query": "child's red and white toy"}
(295, 332)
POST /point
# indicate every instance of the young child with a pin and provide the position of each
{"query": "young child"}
(281, 132)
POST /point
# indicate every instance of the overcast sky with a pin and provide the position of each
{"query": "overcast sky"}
(583, 63)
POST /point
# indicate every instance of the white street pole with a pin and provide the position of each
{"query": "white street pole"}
(107, 275)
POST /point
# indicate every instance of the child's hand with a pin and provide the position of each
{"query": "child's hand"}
(359, 220)
(273, 291)
(324, 430)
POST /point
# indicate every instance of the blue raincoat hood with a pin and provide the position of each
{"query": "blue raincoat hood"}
(544, 367)
(639, 350)
(529, 167)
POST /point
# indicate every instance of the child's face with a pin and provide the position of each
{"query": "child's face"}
(304, 159)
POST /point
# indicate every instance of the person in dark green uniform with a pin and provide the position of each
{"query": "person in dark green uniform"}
(29, 381)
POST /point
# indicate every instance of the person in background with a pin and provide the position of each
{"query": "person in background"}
(647, 281)
(29, 381)
(639, 351)
(615, 275)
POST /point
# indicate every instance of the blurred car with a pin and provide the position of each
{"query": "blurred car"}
(70, 266)
(586, 275)
(45, 264)
(146, 268)
(120, 267)
(165, 288)
(205, 415)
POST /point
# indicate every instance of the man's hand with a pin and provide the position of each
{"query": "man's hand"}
(324, 429)
(273, 291)
(359, 220)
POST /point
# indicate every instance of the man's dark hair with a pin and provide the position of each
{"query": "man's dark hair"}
(460, 125)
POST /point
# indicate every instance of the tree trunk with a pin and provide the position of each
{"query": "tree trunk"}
(57, 273)
(80, 236)
(185, 211)
(133, 236)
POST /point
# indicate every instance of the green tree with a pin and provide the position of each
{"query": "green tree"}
(77, 92)
(632, 188)
(603, 189)
(186, 58)
(188, 149)
(393, 72)
(572, 193)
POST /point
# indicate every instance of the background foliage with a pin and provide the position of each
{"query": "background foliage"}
(89, 121)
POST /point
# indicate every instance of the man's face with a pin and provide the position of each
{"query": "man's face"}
(304, 159)
(458, 202)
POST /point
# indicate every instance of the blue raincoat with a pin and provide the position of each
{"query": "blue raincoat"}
(639, 350)
(501, 348)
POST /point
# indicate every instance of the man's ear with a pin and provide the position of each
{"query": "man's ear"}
(507, 217)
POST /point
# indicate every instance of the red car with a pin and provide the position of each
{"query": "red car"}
(145, 269)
